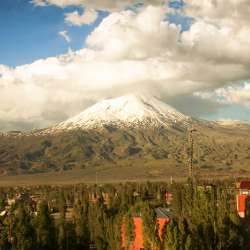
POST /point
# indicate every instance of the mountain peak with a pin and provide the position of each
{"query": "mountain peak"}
(127, 110)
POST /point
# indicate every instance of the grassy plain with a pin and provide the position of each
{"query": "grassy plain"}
(116, 173)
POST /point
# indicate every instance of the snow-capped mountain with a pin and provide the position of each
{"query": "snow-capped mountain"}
(132, 130)
(127, 110)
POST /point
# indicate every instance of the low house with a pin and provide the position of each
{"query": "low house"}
(242, 197)
(95, 197)
(168, 197)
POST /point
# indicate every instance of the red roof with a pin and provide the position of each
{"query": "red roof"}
(243, 185)
(242, 202)
(138, 242)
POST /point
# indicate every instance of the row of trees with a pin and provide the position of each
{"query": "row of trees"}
(203, 217)
(206, 218)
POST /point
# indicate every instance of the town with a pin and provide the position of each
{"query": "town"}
(135, 216)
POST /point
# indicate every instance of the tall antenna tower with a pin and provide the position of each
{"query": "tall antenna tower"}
(191, 152)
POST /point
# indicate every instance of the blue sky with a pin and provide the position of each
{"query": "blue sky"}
(29, 33)
(230, 112)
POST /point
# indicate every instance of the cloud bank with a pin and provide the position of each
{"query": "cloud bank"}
(131, 50)
(239, 95)
(105, 5)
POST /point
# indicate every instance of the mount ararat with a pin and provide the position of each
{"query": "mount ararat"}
(128, 130)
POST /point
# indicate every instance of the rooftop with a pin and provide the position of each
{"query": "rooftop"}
(162, 212)
(243, 184)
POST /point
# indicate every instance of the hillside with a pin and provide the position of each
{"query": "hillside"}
(127, 131)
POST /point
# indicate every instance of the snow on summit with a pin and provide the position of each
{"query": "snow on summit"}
(126, 110)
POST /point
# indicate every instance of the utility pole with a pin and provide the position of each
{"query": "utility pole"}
(96, 177)
(191, 152)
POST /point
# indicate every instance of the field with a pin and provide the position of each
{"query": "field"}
(116, 173)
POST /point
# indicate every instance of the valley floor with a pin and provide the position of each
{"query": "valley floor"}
(113, 174)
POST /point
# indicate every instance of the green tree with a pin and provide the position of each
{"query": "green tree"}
(81, 224)
(45, 229)
(4, 236)
(24, 236)
(150, 228)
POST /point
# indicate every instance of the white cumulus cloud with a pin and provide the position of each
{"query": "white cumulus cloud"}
(130, 35)
(74, 18)
(239, 95)
(40, 3)
(106, 5)
(64, 35)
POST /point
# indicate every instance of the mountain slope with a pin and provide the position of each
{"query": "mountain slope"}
(131, 130)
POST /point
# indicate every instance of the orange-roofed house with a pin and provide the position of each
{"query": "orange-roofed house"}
(138, 244)
(242, 197)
